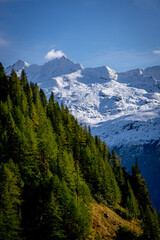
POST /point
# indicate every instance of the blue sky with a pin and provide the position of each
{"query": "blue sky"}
(122, 34)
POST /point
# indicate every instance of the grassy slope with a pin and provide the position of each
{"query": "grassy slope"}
(105, 223)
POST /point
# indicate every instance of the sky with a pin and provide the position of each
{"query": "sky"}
(121, 34)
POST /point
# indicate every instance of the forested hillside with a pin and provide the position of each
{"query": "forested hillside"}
(52, 170)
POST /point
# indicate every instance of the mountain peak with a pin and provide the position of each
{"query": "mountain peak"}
(60, 66)
(101, 72)
(64, 59)
(20, 64)
(152, 72)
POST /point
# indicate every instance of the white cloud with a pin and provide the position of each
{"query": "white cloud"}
(54, 54)
(3, 42)
(156, 52)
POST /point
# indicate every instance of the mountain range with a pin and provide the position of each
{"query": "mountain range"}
(123, 108)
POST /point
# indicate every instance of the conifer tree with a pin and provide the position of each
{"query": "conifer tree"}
(15, 89)
(151, 225)
(43, 98)
(23, 79)
(3, 84)
(132, 204)
(10, 202)
(52, 227)
(35, 92)
(139, 187)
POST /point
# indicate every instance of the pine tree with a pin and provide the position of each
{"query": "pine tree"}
(10, 202)
(43, 98)
(15, 89)
(52, 227)
(23, 79)
(151, 225)
(132, 204)
(139, 187)
(3, 84)
(46, 142)
(35, 92)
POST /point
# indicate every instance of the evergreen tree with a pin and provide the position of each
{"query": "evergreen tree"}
(10, 202)
(151, 225)
(23, 79)
(132, 204)
(43, 98)
(139, 188)
(53, 222)
(3, 84)
(15, 89)
(35, 92)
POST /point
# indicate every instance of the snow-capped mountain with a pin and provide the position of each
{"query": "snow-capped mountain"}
(123, 108)
(45, 72)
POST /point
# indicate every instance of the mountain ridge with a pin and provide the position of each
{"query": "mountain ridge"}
(99, 96)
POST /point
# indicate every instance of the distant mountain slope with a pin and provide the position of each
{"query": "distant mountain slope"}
(123, 108)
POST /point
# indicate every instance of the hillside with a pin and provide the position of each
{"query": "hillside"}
(122, 108)
(55, 177)
(106, 223)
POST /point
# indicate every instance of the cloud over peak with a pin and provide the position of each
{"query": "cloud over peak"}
(54, 54)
